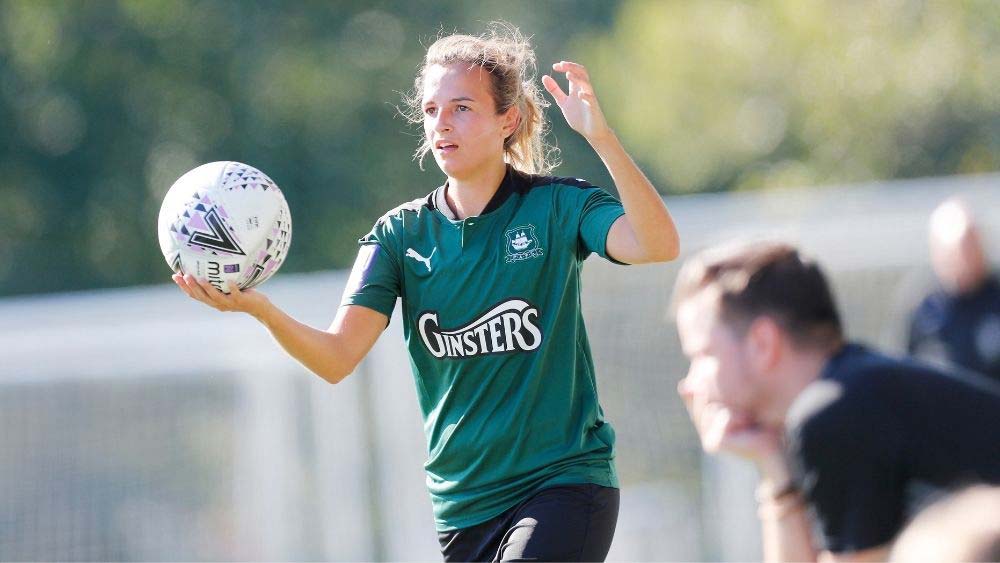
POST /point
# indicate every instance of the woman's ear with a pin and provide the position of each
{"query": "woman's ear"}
(511, 119)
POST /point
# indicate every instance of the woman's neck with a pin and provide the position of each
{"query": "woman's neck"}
(468, 196)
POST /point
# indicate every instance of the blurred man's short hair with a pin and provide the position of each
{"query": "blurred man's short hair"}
(765, 279)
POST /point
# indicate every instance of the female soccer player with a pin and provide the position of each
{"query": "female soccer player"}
(520, 458)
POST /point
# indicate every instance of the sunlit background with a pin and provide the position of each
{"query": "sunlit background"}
(136, 424)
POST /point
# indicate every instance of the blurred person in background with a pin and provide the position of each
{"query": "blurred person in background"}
(959, 323)
(849, 442)
(520, 458)
(964, 526)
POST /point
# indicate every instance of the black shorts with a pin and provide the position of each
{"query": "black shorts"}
(560, 523)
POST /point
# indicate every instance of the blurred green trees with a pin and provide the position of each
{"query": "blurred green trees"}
(727, 94)
(104, 104)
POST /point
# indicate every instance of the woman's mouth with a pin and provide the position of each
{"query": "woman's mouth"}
(445, 147)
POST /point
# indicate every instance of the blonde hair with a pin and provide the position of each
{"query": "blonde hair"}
(507, 56)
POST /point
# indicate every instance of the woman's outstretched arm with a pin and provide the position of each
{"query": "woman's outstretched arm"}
(646, 233)
(331, 354)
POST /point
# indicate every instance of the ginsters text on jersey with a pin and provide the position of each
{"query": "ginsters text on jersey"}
(508, 327)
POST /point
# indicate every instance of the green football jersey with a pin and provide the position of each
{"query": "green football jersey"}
(492, 322)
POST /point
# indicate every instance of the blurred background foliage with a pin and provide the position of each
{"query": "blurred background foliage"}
(104, 104)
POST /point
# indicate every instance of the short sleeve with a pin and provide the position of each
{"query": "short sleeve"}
(844, 465)
(374, 281)
(598, 211)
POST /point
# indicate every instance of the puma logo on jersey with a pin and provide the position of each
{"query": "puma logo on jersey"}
(511, 326)
(410, 253)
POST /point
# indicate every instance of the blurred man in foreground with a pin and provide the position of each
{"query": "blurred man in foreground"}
(959, 324)
(848, 442)
(961, 527)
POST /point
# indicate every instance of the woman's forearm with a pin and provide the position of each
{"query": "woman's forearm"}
(315, 349)
(651, 222)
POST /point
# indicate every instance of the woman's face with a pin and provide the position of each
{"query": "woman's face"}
(460, 120)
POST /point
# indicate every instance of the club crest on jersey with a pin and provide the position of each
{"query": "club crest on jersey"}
(511, 326)
(522, 244)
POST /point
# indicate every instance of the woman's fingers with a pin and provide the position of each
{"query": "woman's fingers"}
(219, 300)
(578, 101)
(577, 88)
(568, 66)
(188, 284)
(199, 291)
(578, 78)
(179, 280)
(202, 290)
(236, 297)
(554, 89)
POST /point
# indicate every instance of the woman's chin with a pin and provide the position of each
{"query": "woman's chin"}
(451, 168)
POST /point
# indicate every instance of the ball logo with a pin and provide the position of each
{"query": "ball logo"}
(217, 237)
(511, 326)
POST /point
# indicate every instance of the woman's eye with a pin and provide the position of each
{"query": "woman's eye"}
(430, 111)
(463, 108)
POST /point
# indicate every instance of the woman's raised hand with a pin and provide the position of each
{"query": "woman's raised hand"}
(579, 106)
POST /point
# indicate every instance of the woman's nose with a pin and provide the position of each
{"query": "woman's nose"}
(442, 122)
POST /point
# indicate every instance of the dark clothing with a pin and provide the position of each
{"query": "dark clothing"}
(874, 438)
(562, 523)
(959, 330)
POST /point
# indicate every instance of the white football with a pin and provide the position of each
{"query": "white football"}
(225, 221)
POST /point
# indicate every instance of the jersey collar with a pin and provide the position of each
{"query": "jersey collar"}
(513, 181)
(441, 204)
